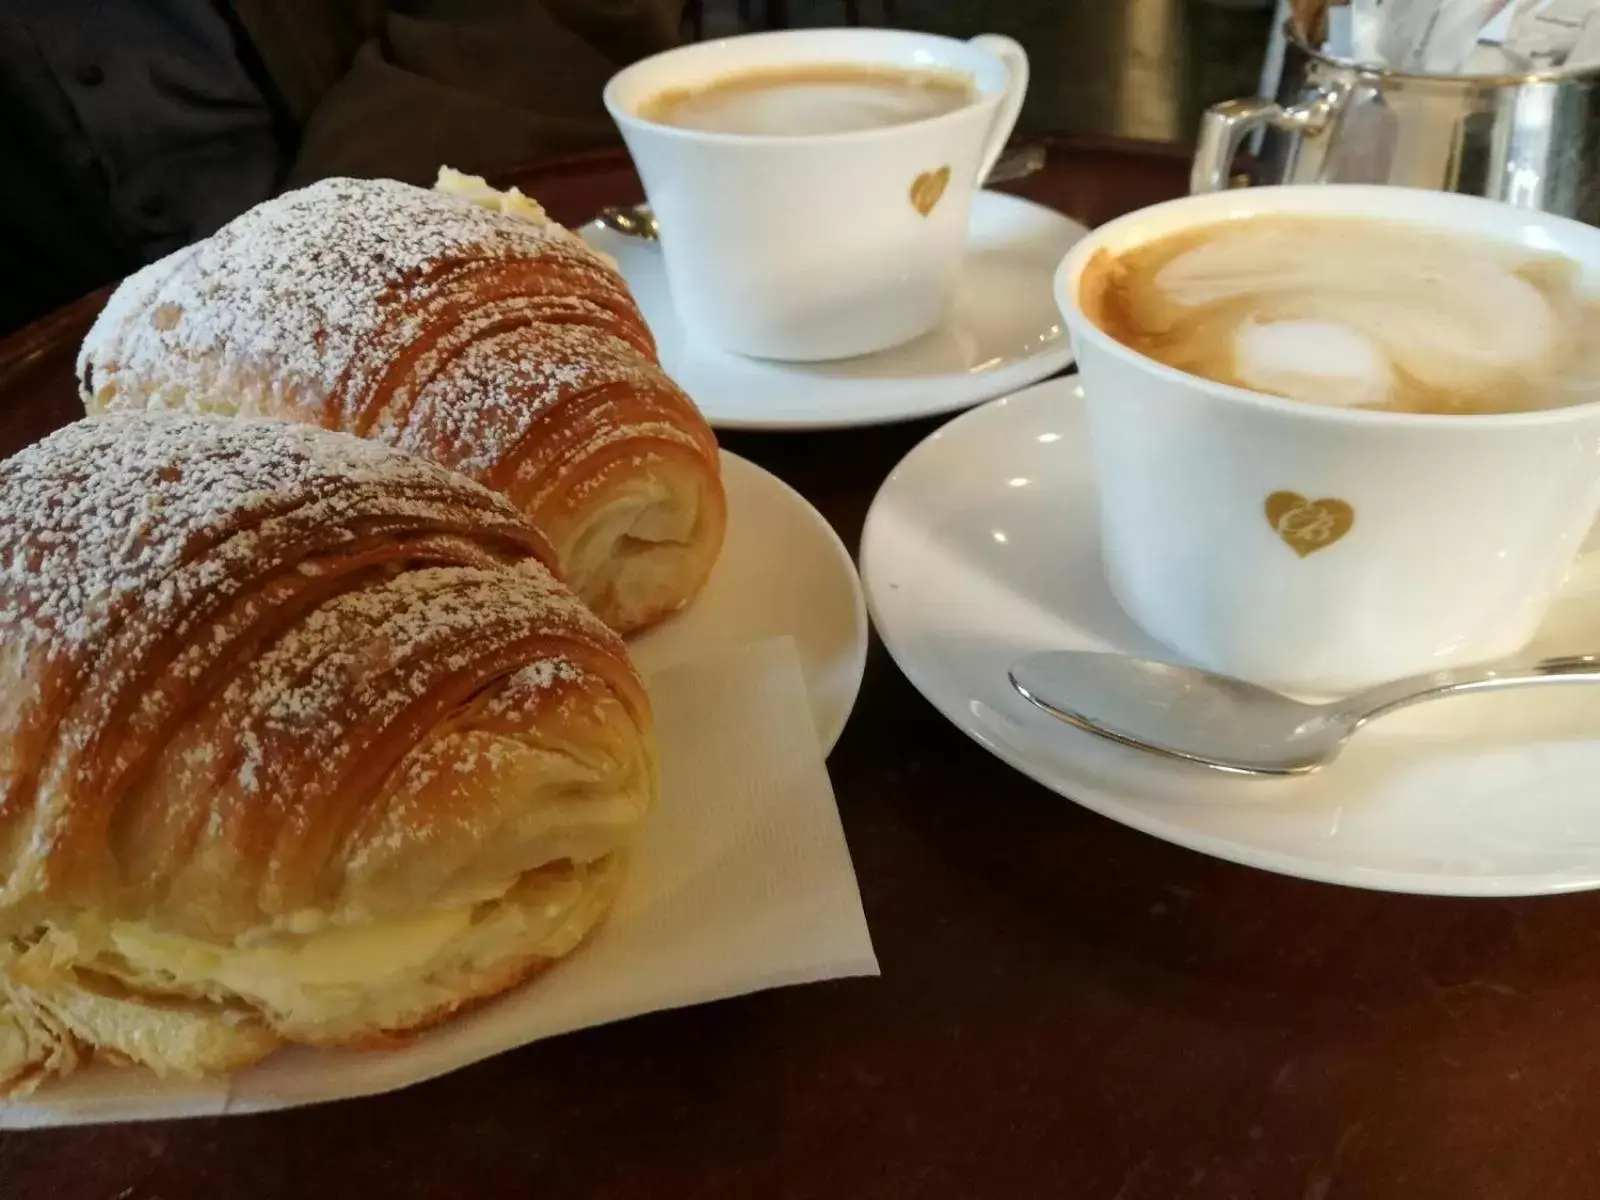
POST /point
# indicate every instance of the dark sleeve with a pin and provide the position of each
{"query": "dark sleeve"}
(511, 84)
(58, 242)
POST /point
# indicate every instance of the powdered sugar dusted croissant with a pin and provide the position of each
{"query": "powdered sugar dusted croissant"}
(498, 346)
(299, 740)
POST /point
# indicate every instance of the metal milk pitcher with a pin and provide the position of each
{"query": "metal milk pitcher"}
(1529, 140)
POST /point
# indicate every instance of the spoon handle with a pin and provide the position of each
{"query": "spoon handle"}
(1016, 163)
(1507, 673)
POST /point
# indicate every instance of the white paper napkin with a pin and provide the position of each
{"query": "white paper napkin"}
(741, 882)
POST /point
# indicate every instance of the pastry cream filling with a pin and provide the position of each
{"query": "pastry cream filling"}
(511, 202)
(475, 188)
(364, 955)
(320, 978)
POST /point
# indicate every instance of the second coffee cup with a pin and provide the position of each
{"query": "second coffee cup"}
(813, 186)
(1418, 506)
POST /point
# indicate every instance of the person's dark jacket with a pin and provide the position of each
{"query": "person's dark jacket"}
(99, 179)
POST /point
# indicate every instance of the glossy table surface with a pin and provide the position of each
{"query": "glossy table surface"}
(1067, 1008)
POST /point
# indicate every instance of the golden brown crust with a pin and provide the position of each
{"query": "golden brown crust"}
(497, 347)
(265, 689)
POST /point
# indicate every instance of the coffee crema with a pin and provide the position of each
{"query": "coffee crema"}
(793, 101)
(1354, 311)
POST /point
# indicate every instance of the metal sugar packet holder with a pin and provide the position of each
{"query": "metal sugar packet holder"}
(1529, 139)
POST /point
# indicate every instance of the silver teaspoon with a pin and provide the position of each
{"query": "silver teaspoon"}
(637, 220)
(1217, 721)
(631, 220)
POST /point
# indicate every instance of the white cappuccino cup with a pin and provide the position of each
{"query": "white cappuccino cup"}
(1315, 548)
(818, 246)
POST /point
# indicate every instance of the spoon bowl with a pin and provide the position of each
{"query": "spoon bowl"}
(632, 220)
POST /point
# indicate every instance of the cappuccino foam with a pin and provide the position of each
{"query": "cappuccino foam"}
(815, 98)
(1355, 312)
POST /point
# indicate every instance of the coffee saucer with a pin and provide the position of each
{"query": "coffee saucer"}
(983, 545)
(1004, 333)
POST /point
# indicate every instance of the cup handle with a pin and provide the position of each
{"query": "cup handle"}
(1226, 125)
(1583, 577)
(1015, 59)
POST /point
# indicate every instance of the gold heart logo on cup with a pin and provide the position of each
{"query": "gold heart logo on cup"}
(1308, 525)
(927, 188)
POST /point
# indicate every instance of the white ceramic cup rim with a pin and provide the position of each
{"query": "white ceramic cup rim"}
(990, 79)
(1378, 201)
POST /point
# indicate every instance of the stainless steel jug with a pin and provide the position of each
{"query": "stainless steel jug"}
(1529, 140)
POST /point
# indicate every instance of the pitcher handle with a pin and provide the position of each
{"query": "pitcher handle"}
(1226, 125)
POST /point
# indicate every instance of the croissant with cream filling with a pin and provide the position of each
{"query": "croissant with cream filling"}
(300, 740)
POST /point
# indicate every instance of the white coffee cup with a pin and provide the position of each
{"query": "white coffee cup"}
(816, 247)
(1410, 542)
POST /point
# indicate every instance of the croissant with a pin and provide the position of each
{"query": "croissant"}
(300, 740)
(495, 344)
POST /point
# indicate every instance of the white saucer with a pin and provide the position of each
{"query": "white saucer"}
(983, 545)
(1005, 333)
(783, 570)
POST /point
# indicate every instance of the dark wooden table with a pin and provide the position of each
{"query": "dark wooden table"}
(1067, 1009)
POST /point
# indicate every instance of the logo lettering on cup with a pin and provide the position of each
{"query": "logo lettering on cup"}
(927, 188)
(1308, 525)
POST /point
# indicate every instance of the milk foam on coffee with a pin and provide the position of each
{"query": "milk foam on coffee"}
(819, 98)
(1355, 312)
